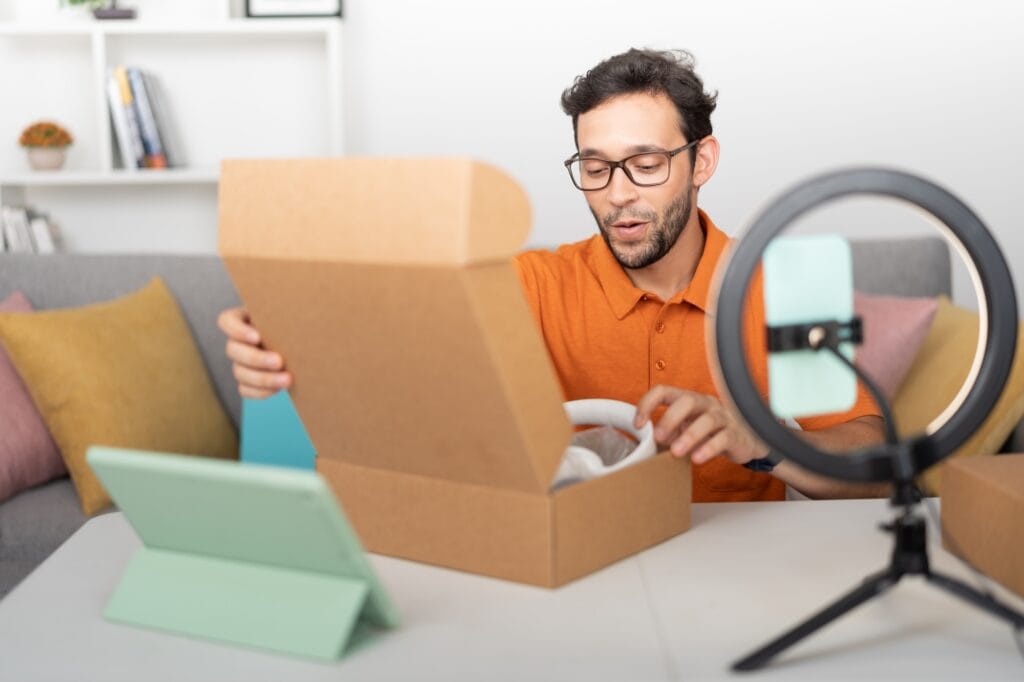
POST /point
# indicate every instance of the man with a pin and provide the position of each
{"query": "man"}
(623, 314)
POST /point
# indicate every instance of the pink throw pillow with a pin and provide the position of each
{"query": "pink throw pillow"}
(28, 455)
(894, 329)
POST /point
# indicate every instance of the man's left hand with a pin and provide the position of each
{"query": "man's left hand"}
(699, 425)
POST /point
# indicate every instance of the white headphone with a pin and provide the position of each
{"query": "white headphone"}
(579, 463)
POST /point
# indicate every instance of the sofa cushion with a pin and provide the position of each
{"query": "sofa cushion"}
(894, 329)
(123, 373)
(28, 455)
(938, 372)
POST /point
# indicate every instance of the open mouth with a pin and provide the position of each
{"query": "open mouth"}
(628, 229)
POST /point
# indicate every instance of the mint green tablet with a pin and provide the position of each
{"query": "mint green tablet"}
(256, 555)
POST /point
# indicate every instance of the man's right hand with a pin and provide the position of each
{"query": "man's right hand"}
(260, 372)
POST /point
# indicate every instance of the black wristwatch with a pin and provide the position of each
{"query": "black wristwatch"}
(764, 464)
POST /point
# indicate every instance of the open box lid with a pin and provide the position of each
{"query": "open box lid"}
(388, 286)
(365, 210)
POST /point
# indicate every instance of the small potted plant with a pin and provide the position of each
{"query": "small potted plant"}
(46, 143)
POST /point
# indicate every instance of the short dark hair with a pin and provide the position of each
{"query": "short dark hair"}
(667, 72)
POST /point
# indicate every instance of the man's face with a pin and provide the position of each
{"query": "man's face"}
(639, 224)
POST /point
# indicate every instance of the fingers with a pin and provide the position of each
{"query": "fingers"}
(687, 407)
(234, 322)
(654, 398)
(254, 357)
(259, 381)
(699, 430)
(714, 432)
(259, 372)
(719, 444)
(254, 393)
(697, 425)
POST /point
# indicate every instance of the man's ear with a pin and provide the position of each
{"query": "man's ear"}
(707, 160)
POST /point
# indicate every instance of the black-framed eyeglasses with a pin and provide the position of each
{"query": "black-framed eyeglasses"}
(646, 169)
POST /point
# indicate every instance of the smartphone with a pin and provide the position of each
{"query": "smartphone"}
(809, 279)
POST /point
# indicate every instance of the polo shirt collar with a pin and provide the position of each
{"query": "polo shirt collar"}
(715, 243)
(623, 296)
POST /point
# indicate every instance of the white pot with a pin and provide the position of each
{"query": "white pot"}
(46, 158)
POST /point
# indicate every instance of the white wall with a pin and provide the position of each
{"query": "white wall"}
(934, 87)
(931, 86)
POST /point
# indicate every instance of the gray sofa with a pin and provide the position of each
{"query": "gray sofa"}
(35, 522)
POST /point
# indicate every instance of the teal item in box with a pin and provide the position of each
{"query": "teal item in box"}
(255, 555)
(272, 433)
(809, 279)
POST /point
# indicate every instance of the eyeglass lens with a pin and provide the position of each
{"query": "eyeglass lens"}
(642, 169)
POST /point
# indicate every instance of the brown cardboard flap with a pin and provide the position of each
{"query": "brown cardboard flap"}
(431, 211)
(430, 369)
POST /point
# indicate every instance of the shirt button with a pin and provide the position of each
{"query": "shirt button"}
(660, 364)
(660, 327)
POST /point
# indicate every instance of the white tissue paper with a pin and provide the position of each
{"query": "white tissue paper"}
(605, 448)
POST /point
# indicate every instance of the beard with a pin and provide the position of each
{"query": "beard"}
(662, 234)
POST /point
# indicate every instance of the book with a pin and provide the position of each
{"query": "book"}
(127, 103)
(164, 121)
(42, 233)
(119, 122)
(55, 235)
(16, 230)
(151, 142)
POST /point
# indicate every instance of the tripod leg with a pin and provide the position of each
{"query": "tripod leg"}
(872, 586)
(982, 601)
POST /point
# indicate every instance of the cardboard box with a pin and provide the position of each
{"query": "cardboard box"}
(420, 375)
(982, 513)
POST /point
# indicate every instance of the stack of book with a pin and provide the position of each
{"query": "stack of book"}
(23, 230)
(142, 129)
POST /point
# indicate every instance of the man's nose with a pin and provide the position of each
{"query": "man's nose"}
(621, 190)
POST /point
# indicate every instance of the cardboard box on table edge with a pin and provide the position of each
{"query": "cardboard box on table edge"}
(392, 279)
(540, 539)
(982, 509)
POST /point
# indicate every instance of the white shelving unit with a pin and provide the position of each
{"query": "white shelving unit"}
(234, 87)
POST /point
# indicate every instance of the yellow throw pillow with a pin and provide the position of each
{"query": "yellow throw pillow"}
(123, 373)
(935, 377)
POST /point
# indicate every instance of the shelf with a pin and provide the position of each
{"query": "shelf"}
(170, 176)
(232, 87)
(294, 27)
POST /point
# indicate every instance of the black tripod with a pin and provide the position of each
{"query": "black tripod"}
(909, 557)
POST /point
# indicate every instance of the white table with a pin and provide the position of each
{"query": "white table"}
(683, 610)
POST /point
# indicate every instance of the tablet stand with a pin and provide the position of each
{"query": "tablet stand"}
(259, 605)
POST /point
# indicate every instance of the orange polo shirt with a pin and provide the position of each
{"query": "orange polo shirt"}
(609, 339)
